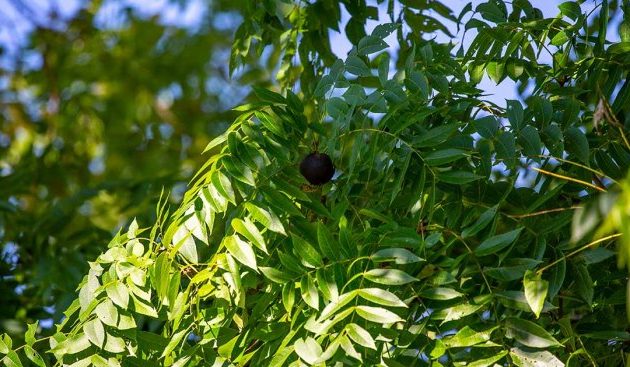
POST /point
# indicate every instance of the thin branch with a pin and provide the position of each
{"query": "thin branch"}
(589, 245)
(569, 179)
(543, 212)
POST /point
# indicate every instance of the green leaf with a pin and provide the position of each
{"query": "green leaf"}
(216, 142)
(337, 304)
(5, 347)
(624, 31)
(529, 333)
(486, 126)
(95, 332)
(490, 361)
(239, 171)
(597, 255)
(515, 114)
(295, 103)
(174, 342)
(506, 148)
(337, 108)
(377, 314)
(514, 44)
(271, 124)
(223, 186)
(118, 293)
(476, 70)
(12, 360)
(72, 345)
(360, 335)
(347, 347)
(160, 275)
(524, 357)
(512, 269)
(576, 144)
(385, 29)
(370, 44)
(212, 200)
(383, 68)
(468, 337)
(542, 109)
(530, 141)
(395, 190)
(309, 292)
(323, 86)
(457, 312)
(98, 361)
(306, 252)
(394, 93)
(516, 300)
(288, 296)
(436, 135)
(356, 66)
(326, 244)
(458, 177)
(280, 201)
(355, 95)
(445, 156)
(33, 356)
(308, 350)
(327, 284)
(107, 313)
(389, 276)
(417, 82)
(194, 223)
(496, 71)
(515, 68)
(492, 12)
(381, 297)
(607, 165)
(556, 278)
(497, 243)
(535, 291)
(114, 344)
(400, 256)
(560, 39)
(249, 230)
(142, 307)
(274, 274)
(440, 294)
(241, 250)
(268, 96)
(265, 217)
(571, 9)
(552, 136)
(126, 320)
(484, 219)
(484, 148)
(29, 336)
(584, 283)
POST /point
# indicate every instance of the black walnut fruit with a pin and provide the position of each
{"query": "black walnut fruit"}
(317, 168)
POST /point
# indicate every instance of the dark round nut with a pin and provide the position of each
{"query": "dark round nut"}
(317, 168)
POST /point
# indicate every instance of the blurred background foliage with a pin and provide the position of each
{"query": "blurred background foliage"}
(99, 111)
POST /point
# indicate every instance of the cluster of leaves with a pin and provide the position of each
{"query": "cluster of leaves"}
(428, 248)
(94, 122)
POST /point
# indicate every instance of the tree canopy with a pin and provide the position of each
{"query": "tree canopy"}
(455, 231)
